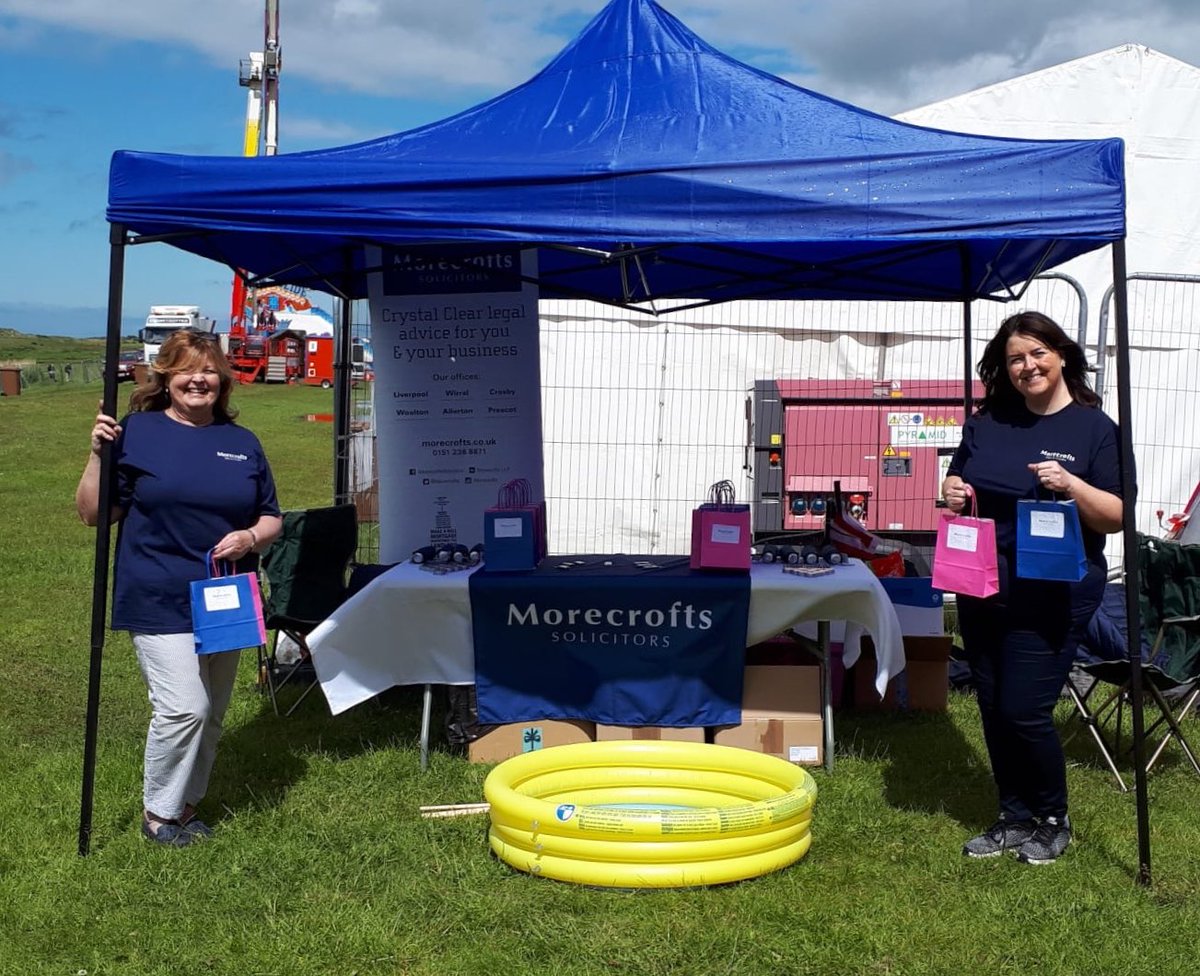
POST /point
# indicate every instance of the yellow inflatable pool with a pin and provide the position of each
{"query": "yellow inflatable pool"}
(640, 814)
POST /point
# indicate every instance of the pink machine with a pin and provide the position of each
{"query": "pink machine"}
(888, 444)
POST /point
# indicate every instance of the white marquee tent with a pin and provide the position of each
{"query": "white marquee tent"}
(1142, 96)
(1152, 102)
(664, 457)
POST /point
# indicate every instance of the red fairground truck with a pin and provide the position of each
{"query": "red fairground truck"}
(318, 361)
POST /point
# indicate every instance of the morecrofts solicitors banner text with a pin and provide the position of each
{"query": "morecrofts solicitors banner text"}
(457, 389)
(620, 640)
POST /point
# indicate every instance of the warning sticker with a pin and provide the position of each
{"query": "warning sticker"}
(922, 430)
(942, 470)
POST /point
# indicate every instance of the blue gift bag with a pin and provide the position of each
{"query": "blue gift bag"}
(514, 532)
(1050, 541)
(227, 612)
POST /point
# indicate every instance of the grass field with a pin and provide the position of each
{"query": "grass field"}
(37, 355)
(321, 863)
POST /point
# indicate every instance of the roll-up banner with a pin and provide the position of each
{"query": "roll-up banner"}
(457, 389)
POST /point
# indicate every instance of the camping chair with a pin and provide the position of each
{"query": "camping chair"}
(306, 569)
(1169, 603)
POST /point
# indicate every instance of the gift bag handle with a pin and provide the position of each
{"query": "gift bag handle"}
(1038, 489)
(1054, 495)
(971, 505)
(517, 493)
(722, 493)
(214, 566)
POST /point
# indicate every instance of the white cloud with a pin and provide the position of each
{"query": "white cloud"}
(884, 55)
(399, 47)
(889, 56)
(323, 132)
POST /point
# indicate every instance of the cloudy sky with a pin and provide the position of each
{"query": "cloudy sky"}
(82, 78)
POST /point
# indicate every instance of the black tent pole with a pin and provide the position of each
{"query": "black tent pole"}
(342, 379)
(968, 384)
(1129, 526)
(112, 349)
(964, 256)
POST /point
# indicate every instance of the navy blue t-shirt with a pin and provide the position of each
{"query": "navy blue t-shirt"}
(993, 458)
(182, 489)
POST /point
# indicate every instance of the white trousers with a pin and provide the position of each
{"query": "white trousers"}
(189, 694)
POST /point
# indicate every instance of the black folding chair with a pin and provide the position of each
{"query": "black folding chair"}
(306, 571)
(1169, 606)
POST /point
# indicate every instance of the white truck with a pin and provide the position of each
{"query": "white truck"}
(165, 319)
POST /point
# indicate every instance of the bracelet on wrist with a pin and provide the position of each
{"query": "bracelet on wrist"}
(253, 538)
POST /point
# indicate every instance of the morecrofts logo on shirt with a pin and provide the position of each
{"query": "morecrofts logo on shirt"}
(226, 456)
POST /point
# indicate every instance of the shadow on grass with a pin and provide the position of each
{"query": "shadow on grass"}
(258, 761)
(928, 765)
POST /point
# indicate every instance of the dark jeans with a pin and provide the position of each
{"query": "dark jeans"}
(1019, 667)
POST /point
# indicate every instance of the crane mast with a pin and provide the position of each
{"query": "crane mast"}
(272, 63)
(259, 75)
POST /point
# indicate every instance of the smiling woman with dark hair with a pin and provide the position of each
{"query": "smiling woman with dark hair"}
(1039, 428)
(187, 481)
(1001, 390)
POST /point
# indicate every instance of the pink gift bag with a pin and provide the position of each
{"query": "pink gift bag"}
(965, 558)
(721, 531)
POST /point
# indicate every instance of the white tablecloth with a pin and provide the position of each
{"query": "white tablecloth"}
(410, 626)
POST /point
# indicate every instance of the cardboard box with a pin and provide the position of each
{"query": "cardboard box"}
(781, 714)
(917, 648)
(928, 685)
(923, 685)
(797, 740)
(919, 607)
(505, 741)
(785, 650)
(648, 733)
(788, 690)
(778, 651)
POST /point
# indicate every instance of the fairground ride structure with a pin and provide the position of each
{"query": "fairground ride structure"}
(252, 316)
(275, 333)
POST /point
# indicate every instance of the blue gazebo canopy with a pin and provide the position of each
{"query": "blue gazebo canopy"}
(645, 164)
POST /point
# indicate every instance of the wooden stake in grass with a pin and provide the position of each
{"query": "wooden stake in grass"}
(454, 809)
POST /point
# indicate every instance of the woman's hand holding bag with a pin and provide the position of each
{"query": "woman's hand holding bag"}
(1050, 540)
(227, 612)
(965, 559)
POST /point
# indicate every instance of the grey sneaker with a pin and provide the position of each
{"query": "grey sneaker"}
(1003, 835)
(1049, 840)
